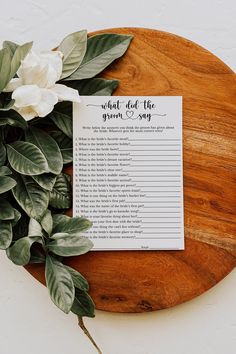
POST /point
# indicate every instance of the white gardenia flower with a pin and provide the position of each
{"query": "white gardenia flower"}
(35, 90)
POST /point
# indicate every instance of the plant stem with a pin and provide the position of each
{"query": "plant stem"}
(86, 332)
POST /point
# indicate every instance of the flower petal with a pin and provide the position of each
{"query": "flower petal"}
(13, 84)
(42, 70)
(47, 102)
(27, 113)
(31, 60)
(65, 93)
(27, 95)
(53, 59)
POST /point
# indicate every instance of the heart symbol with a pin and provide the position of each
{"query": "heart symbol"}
(130, 114)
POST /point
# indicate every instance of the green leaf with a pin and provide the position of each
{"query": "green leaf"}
(31, 197)
(60, 197)
(94, 87)
(57, 218)
(4, 171)
(5, 234)
(47, 222)
(19, 54)
(47, 146)
(17, 217)
(11, 46)
(2, 154)
(79, 281)
(46, 181)
(6, 210)
(65, 145)
(66, 245)
(6, 184)
(26, 158)
(72, 225)
(19, 252)
(5, 67)
(13, 119)
(34, 228)
(63, 122)
(83, 304)
(102, 50)
(60, 284)
(73, 48)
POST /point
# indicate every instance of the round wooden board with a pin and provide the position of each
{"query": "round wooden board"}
(160, 63)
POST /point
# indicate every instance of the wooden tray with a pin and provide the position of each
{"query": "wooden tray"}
(160, 63)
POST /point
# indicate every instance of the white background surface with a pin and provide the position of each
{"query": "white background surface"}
(29, 323)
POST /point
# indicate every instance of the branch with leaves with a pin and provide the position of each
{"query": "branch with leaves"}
(36, 146)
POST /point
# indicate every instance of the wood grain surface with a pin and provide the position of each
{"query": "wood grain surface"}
(160, 63)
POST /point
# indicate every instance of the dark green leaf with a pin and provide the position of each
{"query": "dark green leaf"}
(79, 281)
(60, 197)
(73, 48)
(31, 197)
(83, 304)
(19, 252)
(65, 107)
(72, 225)
(63, 122)
(6, 184)
(37, 255)
(17, 216)
(14, 119)
(94, 87)
(60, 284)
(102, 50)
(20, 229)
(5, 171)
(47, 222)
(46, 180)
(48, 147)
(26, 158)
(65, 145)
(66, 245)
(5, 234)
(6, 106)
(6, 210)
(2, 153)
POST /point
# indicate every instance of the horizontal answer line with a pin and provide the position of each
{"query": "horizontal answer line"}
(174, 228)
(157, 238)
(159, 217)
(142, 186)
(156, 176)
(162, 233)
(161, 222)
(130, 150)
(163, 196)
(153, 201)
(155, 145)
(155, 160)
(154, 139)
(155, 166)
(153, 155)
(152, 170)
(163, 207)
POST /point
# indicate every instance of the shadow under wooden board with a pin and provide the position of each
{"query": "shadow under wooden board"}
(159, 63)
